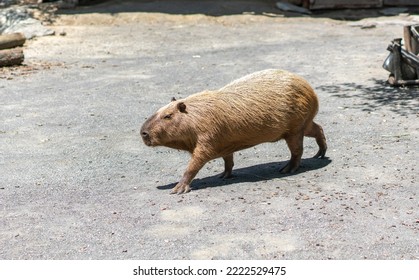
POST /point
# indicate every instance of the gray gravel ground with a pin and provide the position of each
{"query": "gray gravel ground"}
(78, 183)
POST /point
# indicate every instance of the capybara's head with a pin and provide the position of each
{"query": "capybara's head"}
(164, 127)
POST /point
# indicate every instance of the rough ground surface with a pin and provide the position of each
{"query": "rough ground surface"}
(78, 183)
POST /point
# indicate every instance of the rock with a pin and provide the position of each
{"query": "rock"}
(17, 19)
(11, 57)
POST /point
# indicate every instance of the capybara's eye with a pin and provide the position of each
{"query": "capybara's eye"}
(168, 116)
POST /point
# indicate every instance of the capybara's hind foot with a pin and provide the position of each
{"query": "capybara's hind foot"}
(316, 131)
(228, 167)
(289, 168)
(180, 189)
(320, 154)
(225, 175)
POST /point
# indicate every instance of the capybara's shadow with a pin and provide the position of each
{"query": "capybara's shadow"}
(255, 173)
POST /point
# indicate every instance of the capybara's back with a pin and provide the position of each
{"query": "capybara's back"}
(265, 106)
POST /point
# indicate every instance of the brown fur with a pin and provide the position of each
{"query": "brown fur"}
(265, 106)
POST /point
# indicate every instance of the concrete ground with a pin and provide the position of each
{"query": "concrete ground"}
(78, 183)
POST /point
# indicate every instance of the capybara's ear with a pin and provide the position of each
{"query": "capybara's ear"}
(182, 107)
(173, 99)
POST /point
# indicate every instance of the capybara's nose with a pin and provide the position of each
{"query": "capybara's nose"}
(144, 134)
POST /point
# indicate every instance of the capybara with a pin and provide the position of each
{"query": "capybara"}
(265, 106)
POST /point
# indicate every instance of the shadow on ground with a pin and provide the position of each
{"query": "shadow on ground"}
(182, 7)
(401, 100)
(255, 173)
(215, 8)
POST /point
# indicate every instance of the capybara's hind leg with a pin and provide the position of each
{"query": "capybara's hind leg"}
(295, 144)
(316, 131)
(228, 166)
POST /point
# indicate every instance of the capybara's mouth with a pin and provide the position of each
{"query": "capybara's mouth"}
(147, 141)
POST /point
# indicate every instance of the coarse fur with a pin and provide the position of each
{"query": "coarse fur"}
(265, 106)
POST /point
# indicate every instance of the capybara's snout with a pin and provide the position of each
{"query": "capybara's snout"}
(145, 135)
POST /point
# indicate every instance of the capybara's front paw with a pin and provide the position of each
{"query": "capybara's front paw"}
(180, 188)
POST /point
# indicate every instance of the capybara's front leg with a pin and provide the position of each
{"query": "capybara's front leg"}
(195, 164)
